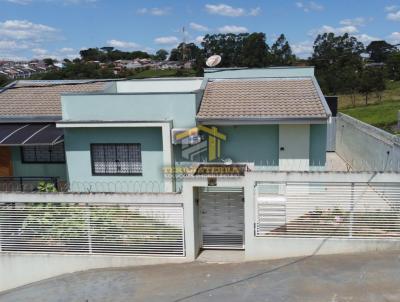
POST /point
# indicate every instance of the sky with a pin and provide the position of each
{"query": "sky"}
(61, 28)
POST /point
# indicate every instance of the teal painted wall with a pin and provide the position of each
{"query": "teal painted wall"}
(180, 108)
(78, 140)
(245, 143)
(30, 170)
(318, 137)
(251, 143)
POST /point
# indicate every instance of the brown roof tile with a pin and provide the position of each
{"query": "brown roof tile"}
(261, 98)
(40, 98)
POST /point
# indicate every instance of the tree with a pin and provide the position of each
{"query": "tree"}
(372, 79)
(379, 51)
(255, 51)
(3, 80)
(185, 52)
(281, 52)
(393, 66)
(337, 61)
(228, 46)
(49, 61)
(161, 54)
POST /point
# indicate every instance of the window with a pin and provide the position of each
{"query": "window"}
(43, 154)
(116, 159)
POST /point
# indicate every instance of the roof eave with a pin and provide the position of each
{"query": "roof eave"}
(263, 121)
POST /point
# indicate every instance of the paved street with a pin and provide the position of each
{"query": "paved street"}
(364, 277)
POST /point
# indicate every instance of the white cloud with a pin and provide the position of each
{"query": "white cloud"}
(198, 27)
(12, 45)
(229, 11)
(39, 51)
(25, 30)
(155, 11)
(21, 2)
(366, 39)
(234, 29)
(394, 37)
(170, 40)
(309, 6)
(199, 39)
(122, 44)
(66, 50)
(394, 16)
(391, 8)
(302, 49)
(360, 21)
(350, 29)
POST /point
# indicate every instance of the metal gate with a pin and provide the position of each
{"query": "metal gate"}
(222, 218)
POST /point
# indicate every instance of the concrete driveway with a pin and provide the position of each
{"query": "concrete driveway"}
(359, 277)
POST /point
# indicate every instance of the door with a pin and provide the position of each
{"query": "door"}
(5, 162)
(222, 218)
(294, 147)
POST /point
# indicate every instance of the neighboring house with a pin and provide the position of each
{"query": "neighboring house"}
(134, 131)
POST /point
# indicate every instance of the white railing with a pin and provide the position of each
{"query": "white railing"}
(338, 210)
(131, 229)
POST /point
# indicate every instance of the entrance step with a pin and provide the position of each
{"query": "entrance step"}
(221, 256)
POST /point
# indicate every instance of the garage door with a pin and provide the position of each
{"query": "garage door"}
(222, 218)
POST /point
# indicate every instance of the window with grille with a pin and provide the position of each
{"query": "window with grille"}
(116, 159)
(43, 154)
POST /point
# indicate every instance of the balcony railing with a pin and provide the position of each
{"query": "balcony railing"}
(26, 184)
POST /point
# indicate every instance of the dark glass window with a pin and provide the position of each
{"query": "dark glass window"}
(43, 154)
(116, 159)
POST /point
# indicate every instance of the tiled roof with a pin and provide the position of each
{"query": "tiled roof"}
(267, 98)
(41, 98)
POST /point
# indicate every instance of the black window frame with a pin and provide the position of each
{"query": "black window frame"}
(24, 161)
(94, 173)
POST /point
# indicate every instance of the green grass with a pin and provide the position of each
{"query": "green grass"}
(381, 114)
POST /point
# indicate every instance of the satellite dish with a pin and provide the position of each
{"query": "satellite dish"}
(213, 61)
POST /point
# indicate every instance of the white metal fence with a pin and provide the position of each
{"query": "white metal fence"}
(131, 229)
(339, 210)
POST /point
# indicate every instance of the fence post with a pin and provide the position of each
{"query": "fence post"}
(351, 219)
(89, 229)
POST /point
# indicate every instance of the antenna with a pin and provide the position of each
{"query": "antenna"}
(184, 54)
(213, 61)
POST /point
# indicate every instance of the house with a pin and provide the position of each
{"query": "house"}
(159, 130)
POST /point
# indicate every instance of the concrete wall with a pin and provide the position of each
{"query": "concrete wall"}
(366, 147)
(159, 85)
(77, 144)
(14, 266)
(177, 107)
(31, 169)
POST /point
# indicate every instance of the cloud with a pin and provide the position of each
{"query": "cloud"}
(199, 39)
(198, 27)
(122, 44)
(25, 30)
(229, 11)
(393, 16)
(155, 11)
(302, 49)
(350, 29)
(394, 37)
(391, 8)
(309, 6)
(39, 51)
(234, 29)
(66, 50)
(359, 21)
(366, 39)
(12, 45)
(20, 2)
(170, 40)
